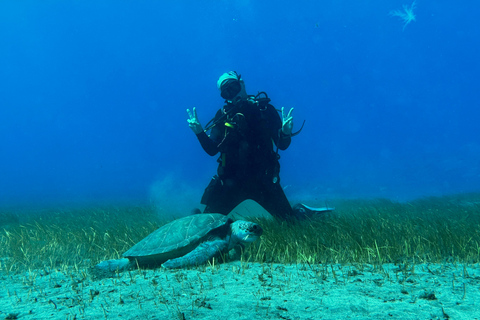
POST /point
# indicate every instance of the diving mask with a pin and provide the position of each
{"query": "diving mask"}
(230, 88)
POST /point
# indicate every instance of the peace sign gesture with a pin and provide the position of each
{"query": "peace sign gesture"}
(287, 122)
(193, 122)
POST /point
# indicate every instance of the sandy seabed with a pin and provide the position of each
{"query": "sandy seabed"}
(248, 291)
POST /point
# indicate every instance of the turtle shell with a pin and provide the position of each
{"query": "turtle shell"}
(178, 238)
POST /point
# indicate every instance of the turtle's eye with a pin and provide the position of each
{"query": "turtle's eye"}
(255, 228)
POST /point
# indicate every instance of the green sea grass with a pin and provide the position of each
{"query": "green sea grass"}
(434, 229)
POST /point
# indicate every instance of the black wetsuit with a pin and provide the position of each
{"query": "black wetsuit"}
(247, 136)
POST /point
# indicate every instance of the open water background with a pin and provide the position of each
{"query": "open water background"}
(93, 96)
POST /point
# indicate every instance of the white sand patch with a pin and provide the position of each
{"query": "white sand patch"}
(249, 291)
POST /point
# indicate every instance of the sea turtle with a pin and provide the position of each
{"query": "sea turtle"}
(187, 241)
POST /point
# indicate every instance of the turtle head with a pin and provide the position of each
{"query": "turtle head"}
(245, 231)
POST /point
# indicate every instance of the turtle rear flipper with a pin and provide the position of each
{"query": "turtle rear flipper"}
(108, 268)
(201, 254)
(115, 264)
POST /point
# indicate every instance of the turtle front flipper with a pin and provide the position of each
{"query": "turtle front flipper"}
(199, 255)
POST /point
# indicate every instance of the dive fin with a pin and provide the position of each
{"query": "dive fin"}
(301, 209)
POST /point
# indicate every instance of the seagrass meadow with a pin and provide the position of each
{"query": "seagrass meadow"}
(434, 229)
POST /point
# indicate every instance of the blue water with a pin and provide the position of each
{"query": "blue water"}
(93, 96)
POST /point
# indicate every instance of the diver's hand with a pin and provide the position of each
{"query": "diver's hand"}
(193, 122)
(287, 122)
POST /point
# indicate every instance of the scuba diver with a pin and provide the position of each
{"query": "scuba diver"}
(247, 132)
